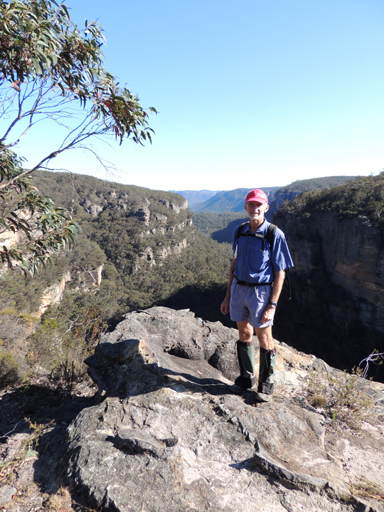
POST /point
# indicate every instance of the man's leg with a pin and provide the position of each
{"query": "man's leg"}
(246, 356)
(267, 362)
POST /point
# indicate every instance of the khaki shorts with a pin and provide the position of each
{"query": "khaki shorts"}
(248, 303)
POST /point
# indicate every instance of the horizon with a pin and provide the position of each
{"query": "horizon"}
(266, 93)
(217, 190)
(270, 186)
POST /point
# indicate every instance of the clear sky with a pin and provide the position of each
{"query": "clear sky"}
(250, 93)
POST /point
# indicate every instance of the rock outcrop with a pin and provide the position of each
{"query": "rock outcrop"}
(143, 213)
(160, 227)
(174, 433)
(85, 280)
(53, 294)
(351, 252)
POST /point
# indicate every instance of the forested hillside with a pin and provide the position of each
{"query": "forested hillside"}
(360, 196)
(299, 186)
(289, 192)
(229, 200)
(142, 244)
(219, 226)
(196, 196)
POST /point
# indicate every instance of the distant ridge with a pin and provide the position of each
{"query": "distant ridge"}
(289, 192)
(196, 196)
(233, 200)
(218, 216)
(299, 186)
(230, 200)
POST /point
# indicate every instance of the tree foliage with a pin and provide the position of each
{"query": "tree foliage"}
(299, 186)
(219, 226)
(52, 71)
(43, 228)
(362, 196)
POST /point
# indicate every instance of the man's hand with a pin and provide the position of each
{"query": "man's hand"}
(278, 282)
(224, 308)
(268, 314)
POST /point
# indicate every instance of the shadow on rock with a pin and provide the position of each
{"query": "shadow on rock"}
(33, 421)
(133, 367)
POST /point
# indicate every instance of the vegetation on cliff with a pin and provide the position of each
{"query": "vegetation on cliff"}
(362, 196)
(145, 247)
(219, 226)
(300, 186)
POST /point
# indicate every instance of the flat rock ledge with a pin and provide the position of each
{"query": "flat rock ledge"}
(172, 432)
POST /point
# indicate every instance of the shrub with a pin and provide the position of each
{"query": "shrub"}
(9, 370)
(343, 396)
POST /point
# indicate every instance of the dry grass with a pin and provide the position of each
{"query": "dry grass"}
(342, 396)
(368, 490)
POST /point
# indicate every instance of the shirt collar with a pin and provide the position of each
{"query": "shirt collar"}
(263, 227)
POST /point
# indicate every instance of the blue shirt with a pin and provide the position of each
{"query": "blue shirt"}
(255, 265)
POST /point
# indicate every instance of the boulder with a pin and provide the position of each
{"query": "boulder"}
(172, 432)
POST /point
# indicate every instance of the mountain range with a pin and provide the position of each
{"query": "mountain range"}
(233, 200)
(196, 196)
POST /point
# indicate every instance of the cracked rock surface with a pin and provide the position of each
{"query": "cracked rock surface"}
(174, 433)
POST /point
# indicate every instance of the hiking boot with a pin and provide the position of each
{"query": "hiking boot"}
(267, 371)
(263, 397)
(245, 382)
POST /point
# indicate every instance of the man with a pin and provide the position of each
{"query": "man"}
(256, 278)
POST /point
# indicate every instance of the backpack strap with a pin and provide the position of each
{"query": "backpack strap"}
(288, 283)
(270, 235)
(239, 230)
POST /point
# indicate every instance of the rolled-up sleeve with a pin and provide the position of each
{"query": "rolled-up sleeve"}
(281, 257)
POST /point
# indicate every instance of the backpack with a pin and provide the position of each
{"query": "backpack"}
(270, 237)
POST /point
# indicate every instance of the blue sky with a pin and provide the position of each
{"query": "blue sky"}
(249, 93)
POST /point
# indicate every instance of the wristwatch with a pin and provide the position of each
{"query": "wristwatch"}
(273, 304)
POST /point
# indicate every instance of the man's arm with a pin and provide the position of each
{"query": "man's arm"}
(224, 308)
(275, 294)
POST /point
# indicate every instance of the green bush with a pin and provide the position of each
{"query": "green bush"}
(9, 370)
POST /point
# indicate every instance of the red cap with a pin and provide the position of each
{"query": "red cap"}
(258, 196)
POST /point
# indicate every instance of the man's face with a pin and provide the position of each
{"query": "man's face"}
(256, 210)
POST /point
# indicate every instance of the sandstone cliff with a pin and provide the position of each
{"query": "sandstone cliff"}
(157, 223)
(338, 286)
